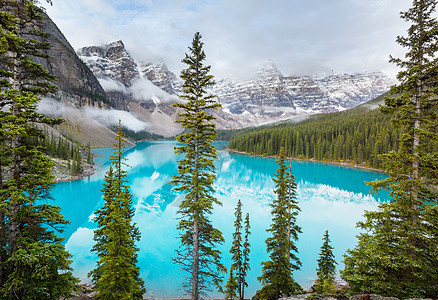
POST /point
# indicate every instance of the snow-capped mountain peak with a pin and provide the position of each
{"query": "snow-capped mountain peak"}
(268, 97)
(110, 61)
(268, 71)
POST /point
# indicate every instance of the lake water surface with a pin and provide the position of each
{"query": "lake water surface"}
(331, 198)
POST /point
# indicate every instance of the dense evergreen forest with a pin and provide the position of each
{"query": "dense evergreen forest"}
(357, 135)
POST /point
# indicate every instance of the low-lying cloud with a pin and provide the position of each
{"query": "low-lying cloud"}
(106, 117)
(53, 108)
(109, 84)
(111, 117)
(144, 89)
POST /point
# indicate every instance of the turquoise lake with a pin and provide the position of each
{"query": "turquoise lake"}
(331, 198)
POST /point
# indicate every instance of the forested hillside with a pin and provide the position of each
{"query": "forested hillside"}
(357, 135)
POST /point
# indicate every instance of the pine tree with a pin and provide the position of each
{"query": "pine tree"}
(89, 156)
(197, 254)
(116, 275)
(277, 278)
(77, 163)
(326, 267)
(240, 250)
(28, 224)
(401, 236)
(236, 249)
(245, 252)
(291, 205)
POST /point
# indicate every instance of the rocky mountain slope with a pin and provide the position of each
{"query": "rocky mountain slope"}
(79, 89)
(148, 90)
(77, 84)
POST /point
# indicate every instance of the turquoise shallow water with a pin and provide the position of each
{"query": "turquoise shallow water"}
(331, 198)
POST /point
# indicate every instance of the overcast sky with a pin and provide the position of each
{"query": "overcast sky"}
(300, 36)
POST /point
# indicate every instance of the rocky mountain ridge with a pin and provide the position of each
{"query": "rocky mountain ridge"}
(274, 94)
(148, 89)
(76, 83)
(78, 89)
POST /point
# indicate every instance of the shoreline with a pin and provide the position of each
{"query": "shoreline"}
(338, 163)
(86, 173)
(91, 171)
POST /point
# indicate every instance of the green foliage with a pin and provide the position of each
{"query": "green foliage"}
(326, 261)
(326, 268)
(231, 287)
(396, 255)
(34, 262)
(268, 292)
(141, 135)
(277, 277)
(89, 155)
(358, 135)
(245, 253)
(197, 254)
(240, 250)
(60, 147)
(116, 275)
(236, 251)
(76, 167)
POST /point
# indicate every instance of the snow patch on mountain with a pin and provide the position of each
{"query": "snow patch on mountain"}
(267, 97)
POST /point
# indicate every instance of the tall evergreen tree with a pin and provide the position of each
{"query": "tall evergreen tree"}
(326, 267)
(236, 248)
(240, 250)
(116, 275)
(89, 155)
(277, 278)
(291, 204)
(246, 250)
(33, 261)
(401, 236)
(197, 254)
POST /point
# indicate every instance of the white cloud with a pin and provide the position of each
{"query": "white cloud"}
(54, 108)
(144, 89)
(111, 117)
(110, 85)
(300, 36)
(106, 117)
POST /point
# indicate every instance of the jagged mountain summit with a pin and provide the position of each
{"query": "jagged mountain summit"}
(276, 95)
(148, 90)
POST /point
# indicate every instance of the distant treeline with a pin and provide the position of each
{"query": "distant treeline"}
(60, 147)
(140, 135)
(358, 135)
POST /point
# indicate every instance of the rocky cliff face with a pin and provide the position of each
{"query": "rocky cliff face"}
(77, 84)
(111, 61)
(149, 89)
(78, 91)
(160, 75)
